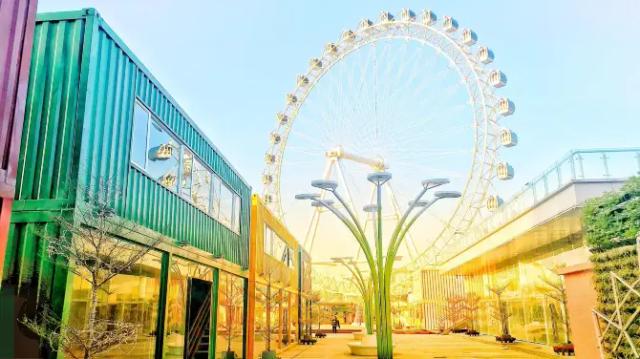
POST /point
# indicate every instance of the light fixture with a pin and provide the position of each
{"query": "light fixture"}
(379, 178)
(447, 194)
(420, 203)
(306, 196)
(327, 185)
(322, 203)
(370, 208)
(434, 182)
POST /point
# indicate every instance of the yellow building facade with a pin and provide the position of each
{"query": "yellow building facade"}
(279, 284)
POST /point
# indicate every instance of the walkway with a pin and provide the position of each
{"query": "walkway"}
(422, 346)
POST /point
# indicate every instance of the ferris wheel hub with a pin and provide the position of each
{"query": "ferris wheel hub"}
(377, 164)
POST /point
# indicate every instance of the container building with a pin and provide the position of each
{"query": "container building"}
(99, 125)
(279, 285)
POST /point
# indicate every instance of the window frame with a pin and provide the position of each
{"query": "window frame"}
(195, 157)
(287, 255)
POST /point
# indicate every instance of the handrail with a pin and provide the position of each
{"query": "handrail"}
(577, 165)
(195, 331)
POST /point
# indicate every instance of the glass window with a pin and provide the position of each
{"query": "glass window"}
(291, 257)
(139, 135)
(215, 204)
(129, 297)
(260, 326)
(230, 328)
(236, 213)
(163, 156)
(268, 240)
(200, 194)
(276, 247)
(226, 206)
(285, 323)
(280, 249)
(187, 169)
(276, 299)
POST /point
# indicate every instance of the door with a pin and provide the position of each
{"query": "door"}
(198, 319)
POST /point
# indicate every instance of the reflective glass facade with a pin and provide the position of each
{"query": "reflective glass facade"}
(130, 297)
(230, 319)
(535, 313)
(133, 297)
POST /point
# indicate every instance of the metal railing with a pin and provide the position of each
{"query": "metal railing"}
(577, 165)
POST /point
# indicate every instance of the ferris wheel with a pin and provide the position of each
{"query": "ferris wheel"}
(413, 95)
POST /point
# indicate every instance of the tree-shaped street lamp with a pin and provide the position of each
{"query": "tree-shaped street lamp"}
(380, 265)
(364, 285)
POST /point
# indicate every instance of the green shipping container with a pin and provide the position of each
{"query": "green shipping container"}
(85, 88)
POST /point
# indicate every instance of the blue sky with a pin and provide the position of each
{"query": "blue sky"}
(572, 65)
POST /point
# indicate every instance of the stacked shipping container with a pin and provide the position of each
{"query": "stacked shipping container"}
(83, 87)
(94, 115)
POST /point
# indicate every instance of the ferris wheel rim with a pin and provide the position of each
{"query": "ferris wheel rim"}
(485, 118)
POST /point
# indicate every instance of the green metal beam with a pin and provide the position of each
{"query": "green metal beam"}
(245, 303)
(162, 305)
(214, 313)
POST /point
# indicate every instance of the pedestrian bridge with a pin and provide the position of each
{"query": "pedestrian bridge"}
(545, 212)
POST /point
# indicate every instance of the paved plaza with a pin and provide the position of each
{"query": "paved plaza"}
(423, 346)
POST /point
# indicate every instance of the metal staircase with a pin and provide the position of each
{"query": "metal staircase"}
(199, 332)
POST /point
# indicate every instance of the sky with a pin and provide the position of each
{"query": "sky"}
(572, 65)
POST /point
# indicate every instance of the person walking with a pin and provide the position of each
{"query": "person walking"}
(335, 324)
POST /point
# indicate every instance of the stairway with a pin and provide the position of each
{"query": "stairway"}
(199, 332)
(202, 350)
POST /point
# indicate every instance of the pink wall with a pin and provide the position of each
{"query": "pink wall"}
(17, 20)
(581, 297)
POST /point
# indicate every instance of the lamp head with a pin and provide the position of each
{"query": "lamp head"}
(434, 182)
(327, 185)
(322, 203)
(307, 196)
(447, 194)
(370, 208)
(379, 178)
(421, 203)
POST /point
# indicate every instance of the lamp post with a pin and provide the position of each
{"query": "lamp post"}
(380, 265)
(364, 286)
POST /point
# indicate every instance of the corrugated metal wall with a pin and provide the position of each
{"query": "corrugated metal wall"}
(79, 117)
(49, 141)
(115, 79)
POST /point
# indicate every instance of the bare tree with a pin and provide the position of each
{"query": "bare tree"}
(554, 289)
(472, 305)
(315, 299)
(453, 313)
(233, 305)
(500, 311)
(87, 242)
(270, 296)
